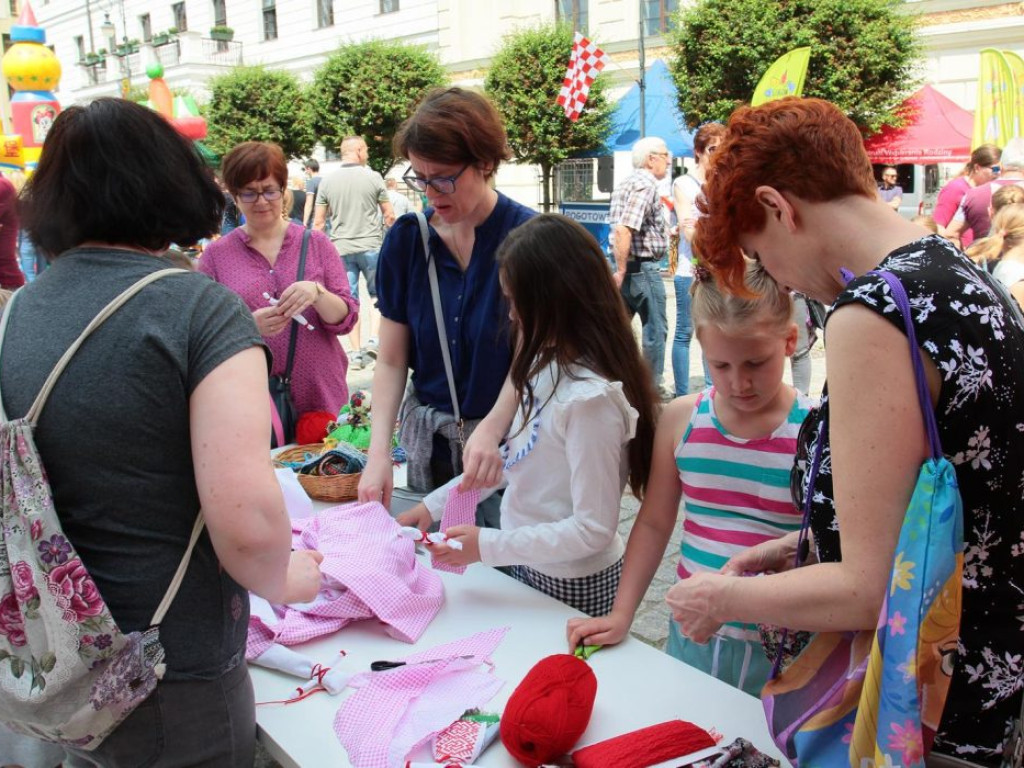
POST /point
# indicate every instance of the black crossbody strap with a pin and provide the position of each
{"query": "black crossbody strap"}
(293, 337)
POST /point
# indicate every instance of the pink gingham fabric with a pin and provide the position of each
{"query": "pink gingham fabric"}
(460, 509)
(395, 711)
(368, 571)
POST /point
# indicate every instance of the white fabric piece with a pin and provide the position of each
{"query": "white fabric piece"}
(296, 500)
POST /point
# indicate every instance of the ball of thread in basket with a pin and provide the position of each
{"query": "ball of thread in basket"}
(549, 710)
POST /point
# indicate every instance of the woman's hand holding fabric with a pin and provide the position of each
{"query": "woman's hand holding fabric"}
(772, 556)
(599, 630)
(303, 577)
(693, 602)
(378, 480)
(270, 321)
(469, 537)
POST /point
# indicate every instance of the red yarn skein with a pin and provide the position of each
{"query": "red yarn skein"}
(312, 427)
(549, 710)
(647, 746)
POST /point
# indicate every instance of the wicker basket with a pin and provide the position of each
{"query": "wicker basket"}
(321, 487)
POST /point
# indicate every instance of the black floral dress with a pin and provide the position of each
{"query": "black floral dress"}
(970, 332)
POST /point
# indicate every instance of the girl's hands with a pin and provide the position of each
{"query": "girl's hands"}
(482, 465)
(693, 602)
(468, 536)
(417, 517)
(599, 630)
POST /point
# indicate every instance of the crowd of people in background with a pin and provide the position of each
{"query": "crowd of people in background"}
(503, 349)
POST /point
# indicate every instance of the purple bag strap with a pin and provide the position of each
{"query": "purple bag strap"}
(899, 295)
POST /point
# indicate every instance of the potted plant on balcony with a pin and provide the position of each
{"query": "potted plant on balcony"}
(222, 33)
(161, 38)
(91, 59)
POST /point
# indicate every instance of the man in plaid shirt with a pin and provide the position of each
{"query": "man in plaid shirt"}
(639, 242)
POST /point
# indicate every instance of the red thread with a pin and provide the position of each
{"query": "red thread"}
(318, 672)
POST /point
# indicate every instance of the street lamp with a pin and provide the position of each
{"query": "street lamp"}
(108, 30)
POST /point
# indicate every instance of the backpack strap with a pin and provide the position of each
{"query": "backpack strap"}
(115, 304)
(179, 575)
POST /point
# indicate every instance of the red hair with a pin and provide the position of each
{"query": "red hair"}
(806, 148)
(253, 161)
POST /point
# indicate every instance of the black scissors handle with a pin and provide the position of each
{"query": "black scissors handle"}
(383, 666)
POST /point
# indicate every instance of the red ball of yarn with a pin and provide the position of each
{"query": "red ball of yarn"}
(312, 427)
(549, 710)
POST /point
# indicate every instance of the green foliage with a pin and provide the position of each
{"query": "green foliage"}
(524, 80)
(368, 89)
(259, 104)
(864, 54)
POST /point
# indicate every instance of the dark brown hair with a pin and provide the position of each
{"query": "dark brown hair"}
(116, 172)
(983, 156)
(568, 311)
(252, 161)
(453, 125)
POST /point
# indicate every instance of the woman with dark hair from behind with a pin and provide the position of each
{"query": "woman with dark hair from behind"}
(454, 143)
(168, 407)
(583, 428)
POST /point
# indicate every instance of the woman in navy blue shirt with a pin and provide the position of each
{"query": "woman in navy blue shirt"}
(454, 143)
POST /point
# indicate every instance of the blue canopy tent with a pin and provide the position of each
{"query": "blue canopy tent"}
(661, 116)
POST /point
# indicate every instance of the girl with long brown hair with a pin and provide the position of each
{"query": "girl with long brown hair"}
(583, 428)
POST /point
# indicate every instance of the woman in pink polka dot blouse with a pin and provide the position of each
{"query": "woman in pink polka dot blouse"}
(262, 257)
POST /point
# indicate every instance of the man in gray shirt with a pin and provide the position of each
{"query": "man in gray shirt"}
(355, 200)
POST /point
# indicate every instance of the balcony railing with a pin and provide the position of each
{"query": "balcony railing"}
(226, 53)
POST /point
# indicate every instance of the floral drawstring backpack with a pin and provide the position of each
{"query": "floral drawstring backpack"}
(67, 673)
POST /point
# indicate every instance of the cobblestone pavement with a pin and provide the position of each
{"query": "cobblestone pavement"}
(651, 622)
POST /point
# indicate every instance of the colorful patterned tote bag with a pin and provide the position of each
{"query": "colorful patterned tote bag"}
(876, 697)
(67, 673)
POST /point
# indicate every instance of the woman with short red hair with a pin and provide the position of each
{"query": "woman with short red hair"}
(791, 187)
(261, 258)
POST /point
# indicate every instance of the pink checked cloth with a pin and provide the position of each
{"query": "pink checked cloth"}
(460, 509)
(396, 711)
(368, 571)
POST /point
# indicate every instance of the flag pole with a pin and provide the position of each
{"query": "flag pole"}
(642, 82)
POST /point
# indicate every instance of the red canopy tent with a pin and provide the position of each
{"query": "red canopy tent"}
(936, 131)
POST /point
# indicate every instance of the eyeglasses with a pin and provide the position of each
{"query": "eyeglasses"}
(995, 169)
(443, 185)
(270, 194)
(659, 154)
(889, 176)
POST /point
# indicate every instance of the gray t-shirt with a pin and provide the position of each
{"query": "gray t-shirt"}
(353, 195)
(115, 441)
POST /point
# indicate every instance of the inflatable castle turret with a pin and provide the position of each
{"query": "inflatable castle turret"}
(33, 71)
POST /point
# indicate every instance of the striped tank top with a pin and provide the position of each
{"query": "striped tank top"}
(735, 491)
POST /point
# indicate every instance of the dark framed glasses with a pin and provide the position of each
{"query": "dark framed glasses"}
(270, 194)
(443, 185)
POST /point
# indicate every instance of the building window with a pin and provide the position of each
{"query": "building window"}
(146, 27)
(270, 19)
(180, 17)
(324, 13)
(80, 46)
(220, 14)
(573, 12)
(388, 6)
(658, 16)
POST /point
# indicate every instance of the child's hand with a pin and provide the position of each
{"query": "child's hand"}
(469, 537)
(417, 517)
(691, 602)
(599, 630)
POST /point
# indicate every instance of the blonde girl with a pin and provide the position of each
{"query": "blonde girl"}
(1006, 247)
(726, 453)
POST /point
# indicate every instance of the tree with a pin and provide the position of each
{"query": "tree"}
(524, 80)
(368, 89)
(864, 54)
(259, 104)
